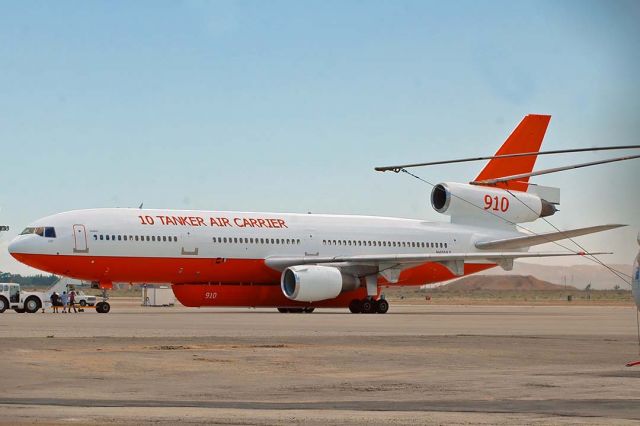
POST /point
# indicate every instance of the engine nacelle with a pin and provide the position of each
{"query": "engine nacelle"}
(462, 201)
(312, 283)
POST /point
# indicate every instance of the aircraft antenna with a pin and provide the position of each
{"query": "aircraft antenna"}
(399, 168)
(548, 171)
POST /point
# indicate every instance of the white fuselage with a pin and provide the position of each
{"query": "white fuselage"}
(242, 235)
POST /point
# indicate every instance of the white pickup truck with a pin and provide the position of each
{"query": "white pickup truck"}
(83, 299)
(20, 301)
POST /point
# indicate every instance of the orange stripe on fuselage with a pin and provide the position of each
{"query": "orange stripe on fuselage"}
(153, 269)
(431, 272)
(238, 282)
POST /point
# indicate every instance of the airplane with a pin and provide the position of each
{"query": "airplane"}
(299, 262)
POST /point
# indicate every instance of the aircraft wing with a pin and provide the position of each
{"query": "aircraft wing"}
(390, 265)
(532, 240)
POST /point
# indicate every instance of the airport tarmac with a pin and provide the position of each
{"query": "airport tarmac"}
(418, 364)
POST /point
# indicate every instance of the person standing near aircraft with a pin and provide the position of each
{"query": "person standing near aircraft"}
(72, 302)
(55, 301)
(65, 301)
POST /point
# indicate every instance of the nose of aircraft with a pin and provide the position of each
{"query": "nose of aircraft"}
(16, 246)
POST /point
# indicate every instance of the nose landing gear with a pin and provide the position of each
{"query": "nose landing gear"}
(368, 306)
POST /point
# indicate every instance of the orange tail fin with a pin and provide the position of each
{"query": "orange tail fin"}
(527, 137)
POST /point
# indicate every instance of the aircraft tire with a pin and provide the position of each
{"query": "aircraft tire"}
(367, 306)
(4, 304)
(355, 307)
(283, 310)
(103, 307)
(308, 310)
(382, 306)
(32, 305)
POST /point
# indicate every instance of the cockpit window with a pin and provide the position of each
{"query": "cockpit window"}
(48, 231)
(27, 231)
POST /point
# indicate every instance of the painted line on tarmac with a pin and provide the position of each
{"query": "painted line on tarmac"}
(607, 408)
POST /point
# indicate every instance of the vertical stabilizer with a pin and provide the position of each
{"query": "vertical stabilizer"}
(527, 137)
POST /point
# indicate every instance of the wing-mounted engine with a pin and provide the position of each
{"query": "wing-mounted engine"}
(470, 203)
(312, 283)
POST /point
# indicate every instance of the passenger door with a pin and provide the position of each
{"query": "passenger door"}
(311, 243)
(189, 244)
(80, 239)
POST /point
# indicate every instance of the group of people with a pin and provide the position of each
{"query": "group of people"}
(64, 300)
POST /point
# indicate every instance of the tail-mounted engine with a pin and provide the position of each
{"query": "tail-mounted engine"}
(463, 201)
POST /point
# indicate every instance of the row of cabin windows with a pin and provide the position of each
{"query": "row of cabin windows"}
(368, 243)
(152, 238)
(241, 240)
(278, 241)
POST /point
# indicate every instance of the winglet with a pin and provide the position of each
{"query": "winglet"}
(527, 137)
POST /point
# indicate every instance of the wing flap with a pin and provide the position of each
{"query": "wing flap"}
(405, 260)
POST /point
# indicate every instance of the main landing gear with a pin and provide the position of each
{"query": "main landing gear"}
(103, 307)
(368, 306)
(295, 310)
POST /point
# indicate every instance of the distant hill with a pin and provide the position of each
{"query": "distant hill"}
(501, 283)
(578, 276)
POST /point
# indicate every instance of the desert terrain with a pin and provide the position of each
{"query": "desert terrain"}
(418, 364)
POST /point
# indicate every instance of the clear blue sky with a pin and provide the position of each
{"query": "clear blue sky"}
(288, 105)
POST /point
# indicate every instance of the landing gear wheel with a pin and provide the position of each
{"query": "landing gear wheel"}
(32, 305)
(283, 310)
(382, 306)
(355, 307)
(367, 306)
(103, 307)
(308, 310)
(83, 303)
(3, 304)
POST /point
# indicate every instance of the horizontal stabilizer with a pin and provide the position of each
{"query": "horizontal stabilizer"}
(533, 240)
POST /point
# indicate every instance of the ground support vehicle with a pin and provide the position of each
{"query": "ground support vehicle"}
(11, 297)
